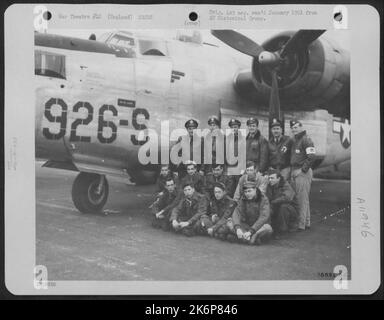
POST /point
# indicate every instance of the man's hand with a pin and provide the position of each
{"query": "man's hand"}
(215, 218)
(239, 233)
(175, 224)
(201, 172)
(184, 224)
(210, 231)
(247, 235)
(159, 215)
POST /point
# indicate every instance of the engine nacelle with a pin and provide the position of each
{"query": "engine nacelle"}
(313, 77)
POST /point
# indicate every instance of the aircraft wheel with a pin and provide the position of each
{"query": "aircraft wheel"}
(87, 194)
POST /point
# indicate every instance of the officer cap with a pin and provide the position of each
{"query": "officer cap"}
(192, 123)
(252, 121)
(276, 123)
(213, 120)
(293, 122)
(249, 185)
(220, 185)
(234, 122)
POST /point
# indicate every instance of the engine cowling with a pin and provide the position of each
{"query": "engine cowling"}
(316, 76)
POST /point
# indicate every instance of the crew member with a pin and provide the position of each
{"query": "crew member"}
(256, 146)
(221, 209)
(214, 132)
(280, 150)
(217, 175)
(281, 198)
(302, 157)
(251, 218)
(250, 175)
(186, 214)
(161, 210)
(235, 125)
(193, 177)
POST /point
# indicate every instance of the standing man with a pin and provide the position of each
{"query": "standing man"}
(217, 175)
(251, 218)
(162, 208)
(256, 146)
(235, 125)
(191, 125)
(282, 202)
(186, 214)
(280, 150)
(214, 126)
(302, 157)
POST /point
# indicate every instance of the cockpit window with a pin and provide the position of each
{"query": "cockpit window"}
(153, 48)
(123, 41)
(50, 64)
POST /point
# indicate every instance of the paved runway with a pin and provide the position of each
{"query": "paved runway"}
(120, 244)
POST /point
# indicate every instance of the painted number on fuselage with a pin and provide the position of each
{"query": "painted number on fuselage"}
(102, 122)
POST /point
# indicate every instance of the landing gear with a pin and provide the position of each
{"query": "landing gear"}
(90, 192)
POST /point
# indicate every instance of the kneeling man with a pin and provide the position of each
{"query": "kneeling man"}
(251, 218)
(162, 208)
(284, 215)
(185, 217)
(221, 209)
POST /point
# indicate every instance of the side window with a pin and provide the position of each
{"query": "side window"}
(50, 64)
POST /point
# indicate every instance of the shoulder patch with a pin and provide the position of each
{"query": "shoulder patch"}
(310, 150)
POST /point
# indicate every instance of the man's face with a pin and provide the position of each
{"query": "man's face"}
(170, 185)
(277, 131)
(191, 170)
(213, 127)
(164, 171)
(235, 128)
(188, 191)
(190, 131)
(250, 170)
(219, 193)
(273, 179)
(217, 172)
(297, 128)
(252, 128)
(250, 193)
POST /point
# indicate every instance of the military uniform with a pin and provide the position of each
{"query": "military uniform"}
(257, 150)
(223, 210)
(161, 180)
(197, 180)
(284, 213)
(190, 210)
(259, 179)
(253, 216)
(181, 169)
(166, 202)
(211, 180)
(303, 155)
(280, 153)
(207, 167)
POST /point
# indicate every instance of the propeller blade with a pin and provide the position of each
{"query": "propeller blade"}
(301, 39)
(274, 101)
(239, 42)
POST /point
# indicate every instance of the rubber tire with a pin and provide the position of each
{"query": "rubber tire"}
(80, 197)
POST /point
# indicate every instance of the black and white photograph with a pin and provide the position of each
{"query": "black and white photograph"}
(203, 153)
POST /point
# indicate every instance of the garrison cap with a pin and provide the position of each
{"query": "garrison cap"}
(293, 122)
(252, 121)
(220, 185)
(234, 122)
(189, 162)
(191, 123)
(214, 120)
(276, 123)
(249, 185)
